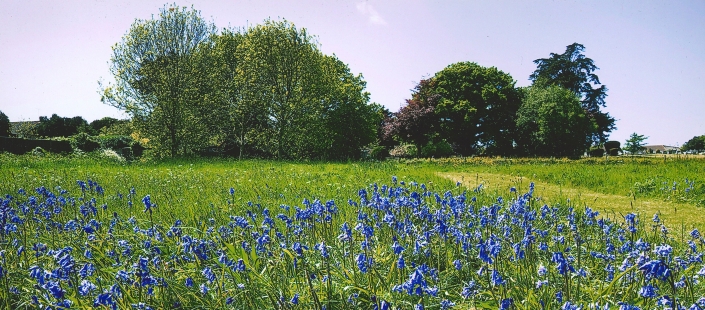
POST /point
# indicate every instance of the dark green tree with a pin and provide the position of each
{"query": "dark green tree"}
(350, 121)
(696, 144)
(551, 122)
(57, 126)
(635, 143)
(156, 78)
(477, 108)
(573, 71)
(4, 125)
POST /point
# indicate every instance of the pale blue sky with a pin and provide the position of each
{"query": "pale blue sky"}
(651, 54)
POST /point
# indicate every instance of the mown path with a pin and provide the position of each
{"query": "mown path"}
(679, 218)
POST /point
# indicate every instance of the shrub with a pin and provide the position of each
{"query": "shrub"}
(378, 152)
(438, 149)
(115, 143)
(84, 142)
(404, 151)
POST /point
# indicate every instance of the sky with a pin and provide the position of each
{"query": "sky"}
(651, 54)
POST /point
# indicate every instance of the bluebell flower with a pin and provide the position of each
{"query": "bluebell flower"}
(55, 289)
(295, 299)
(86, 287)
(664, 250)
(458, 265)
(656, 269)
(203, 288)
(505, 303)
(648, 291)
(496, 279)
(208, 274)
(401, 264)
(469, 290)
(147, 204)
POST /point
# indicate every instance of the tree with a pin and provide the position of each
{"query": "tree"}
(635, 143)
(4, 125)
(696, 144)
(551, 122)
(57, 126)
(156, 78)
(415, 122)
(233, 119)
(573, 71)
(477, 108)
(350, 122)
(280, 69)
(471, 107)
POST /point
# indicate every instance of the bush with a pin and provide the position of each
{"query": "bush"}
(378, 152)
(596, 152)
(115, 143)
(404, 151)
(84, 142)
(613, 148)
(438, 149)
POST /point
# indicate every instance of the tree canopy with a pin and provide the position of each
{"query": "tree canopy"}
(573, 71)
(265, 91)
(551, 122)
(155, 77)
(57, 126)
(470, 106)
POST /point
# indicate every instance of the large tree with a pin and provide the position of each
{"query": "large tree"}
(280, 69)
(551, 122)
(573, 71)
(156, 79)
(350, 122)
(477, 108)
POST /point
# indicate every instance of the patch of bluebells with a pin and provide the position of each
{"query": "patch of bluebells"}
(450, 249)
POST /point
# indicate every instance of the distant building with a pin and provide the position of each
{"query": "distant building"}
(660, 149)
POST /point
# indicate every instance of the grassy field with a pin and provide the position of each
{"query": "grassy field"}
(398, 234)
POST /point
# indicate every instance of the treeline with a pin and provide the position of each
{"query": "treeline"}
(469, 109)
(269, 92)
(266, 91)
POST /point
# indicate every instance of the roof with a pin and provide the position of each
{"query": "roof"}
(662, 148)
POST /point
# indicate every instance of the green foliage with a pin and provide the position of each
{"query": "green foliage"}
(57, 126)
(4, 125)
(551, 122)
(96, 126)
(635, 143)
(156, 79)
(696, 144)
(377, 152)
(84, 142)
(437, 149)
(115, 142)
(573, 71)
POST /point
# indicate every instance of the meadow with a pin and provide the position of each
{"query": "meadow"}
(485, 233)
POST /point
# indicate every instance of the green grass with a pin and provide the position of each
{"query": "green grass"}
(197, 192)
